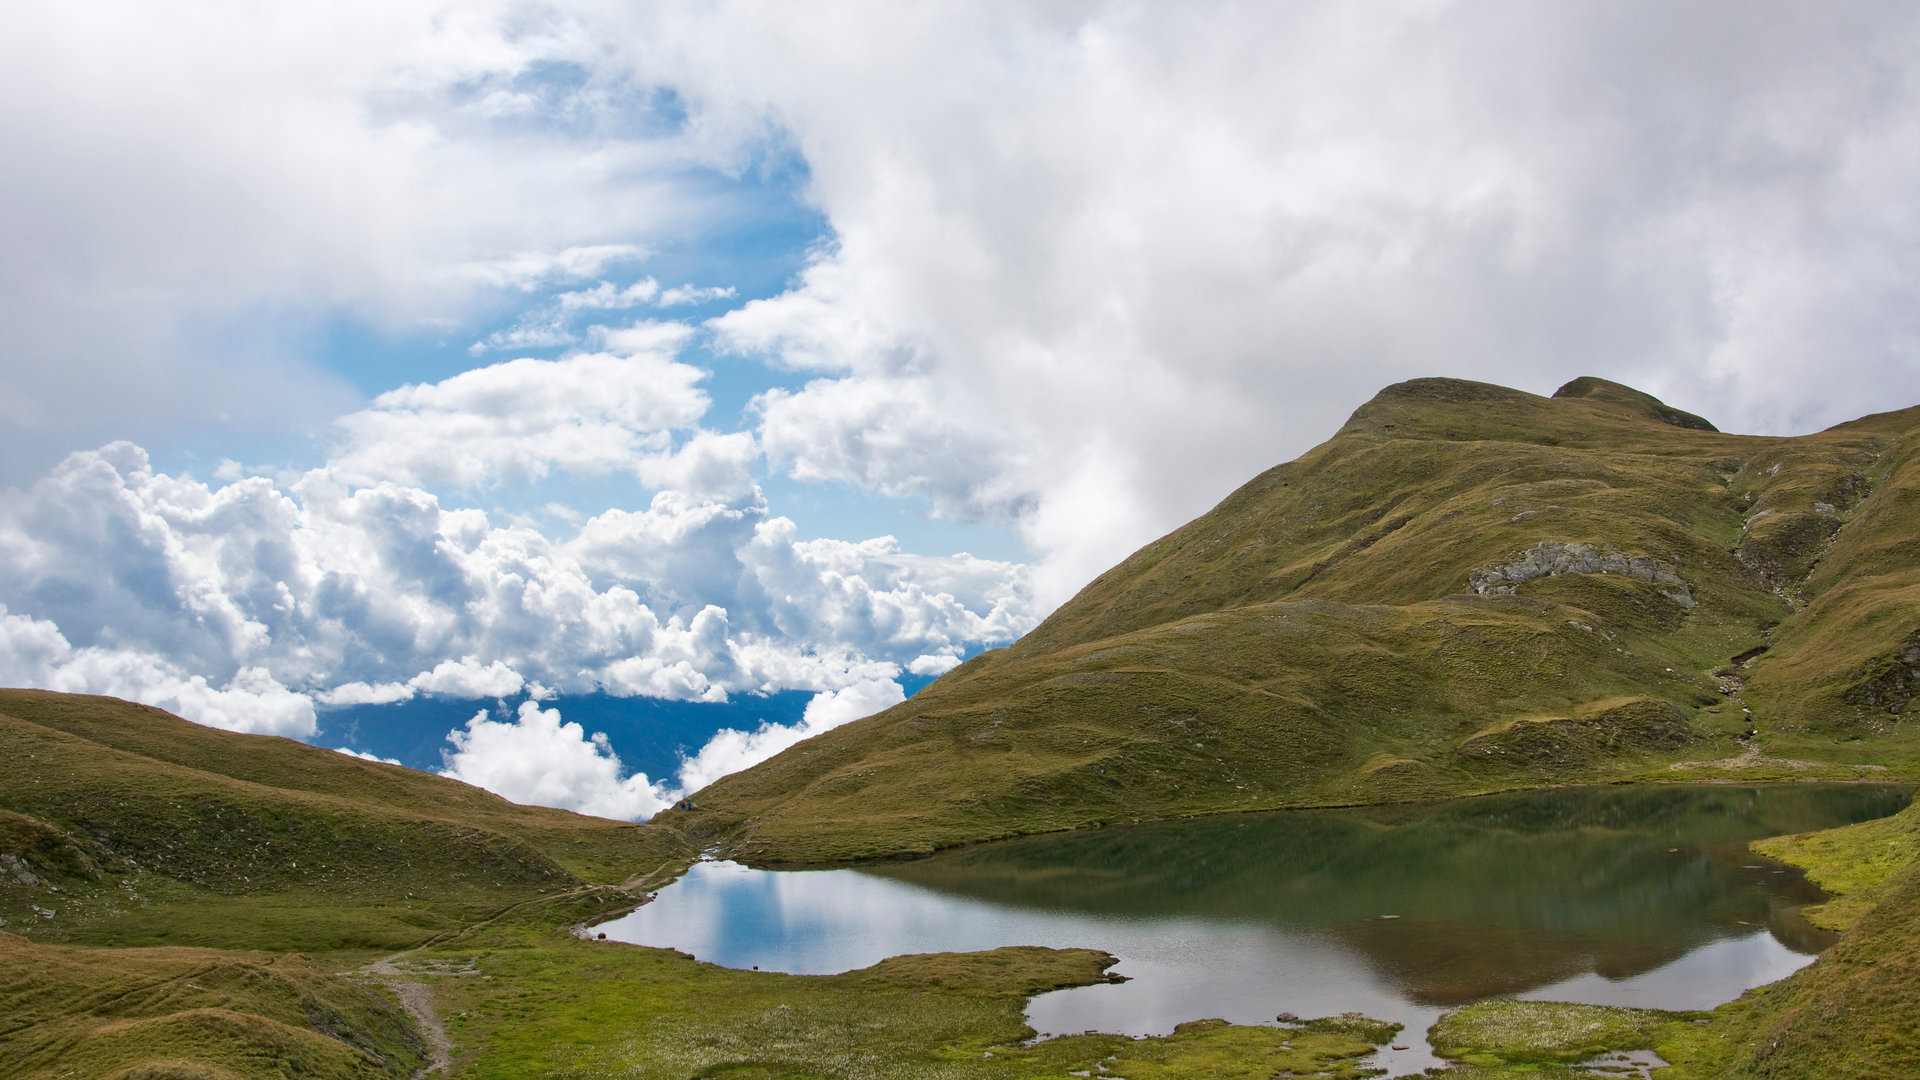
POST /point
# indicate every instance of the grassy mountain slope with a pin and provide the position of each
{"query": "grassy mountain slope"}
(121, 826)
(1468, 588)
(122, 821)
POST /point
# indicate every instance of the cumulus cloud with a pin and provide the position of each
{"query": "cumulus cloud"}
(730, 751)
(365, 756)
(514, 422)
(538, 758)
(933, 664)
(528, 270)
(466, 678)
(245, 604)
(33, 652)
(360, 693)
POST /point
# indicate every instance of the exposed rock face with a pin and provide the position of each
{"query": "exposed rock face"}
(1551, 559)
(18, 868)
(1891, 683)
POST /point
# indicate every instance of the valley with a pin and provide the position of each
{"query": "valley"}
(1469, 593)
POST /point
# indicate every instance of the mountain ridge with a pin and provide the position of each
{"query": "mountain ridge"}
(1317, 637)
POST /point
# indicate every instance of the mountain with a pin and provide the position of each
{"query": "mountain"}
(1467, 589)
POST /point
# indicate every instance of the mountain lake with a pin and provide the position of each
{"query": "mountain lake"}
(1643, 896)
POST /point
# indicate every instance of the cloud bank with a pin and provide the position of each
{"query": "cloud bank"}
(246, 603)
(1094, 265)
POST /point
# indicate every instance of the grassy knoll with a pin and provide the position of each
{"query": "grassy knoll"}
(1503, 1032)
(125, 825)
(75, 1011)
(1467, 589)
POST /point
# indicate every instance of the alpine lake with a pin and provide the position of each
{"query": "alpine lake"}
(1631, 895)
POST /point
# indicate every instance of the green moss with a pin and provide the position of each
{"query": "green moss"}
(1505, 1032)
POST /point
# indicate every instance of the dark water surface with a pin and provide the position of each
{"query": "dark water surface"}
(1640, 896)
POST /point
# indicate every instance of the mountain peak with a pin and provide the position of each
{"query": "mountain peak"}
(1637, 402)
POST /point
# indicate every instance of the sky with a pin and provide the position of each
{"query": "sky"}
(368, 356)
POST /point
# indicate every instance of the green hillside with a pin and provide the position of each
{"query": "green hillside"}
(134, 827)
(1466, 589)
(181, 903)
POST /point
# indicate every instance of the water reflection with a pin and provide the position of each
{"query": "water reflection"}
(1611, 895)
(1488, 896)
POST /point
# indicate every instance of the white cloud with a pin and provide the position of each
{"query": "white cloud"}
(933, 664)
(360, 693)
(730, 751)
(514, 422)
(365, 756)
(538, 759)
(692, 294)
(528, 270)
(607, 297)
(466, 678)
(536, 331)
(1095, 266)
(33, 652)
(249, 602)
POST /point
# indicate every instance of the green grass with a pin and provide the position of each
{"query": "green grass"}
(575, 1009)
(142, 829)
(1310, 640)
(73, 1011)
(1860, 864)
(1505, 1032)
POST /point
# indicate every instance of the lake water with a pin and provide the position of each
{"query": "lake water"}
(1622, 896)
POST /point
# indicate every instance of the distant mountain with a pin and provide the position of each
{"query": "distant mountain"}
(1468, 588)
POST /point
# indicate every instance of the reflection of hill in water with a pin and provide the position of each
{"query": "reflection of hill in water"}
(1494, 895)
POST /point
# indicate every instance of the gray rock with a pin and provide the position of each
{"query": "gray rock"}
(1550, 558)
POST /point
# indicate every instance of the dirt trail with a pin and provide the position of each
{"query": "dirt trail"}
(1752, 758)
(417, 996)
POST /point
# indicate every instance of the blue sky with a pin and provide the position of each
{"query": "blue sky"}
(542, 358)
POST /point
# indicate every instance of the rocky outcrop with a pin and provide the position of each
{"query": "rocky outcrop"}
(1892, 682)
(1552, 559)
